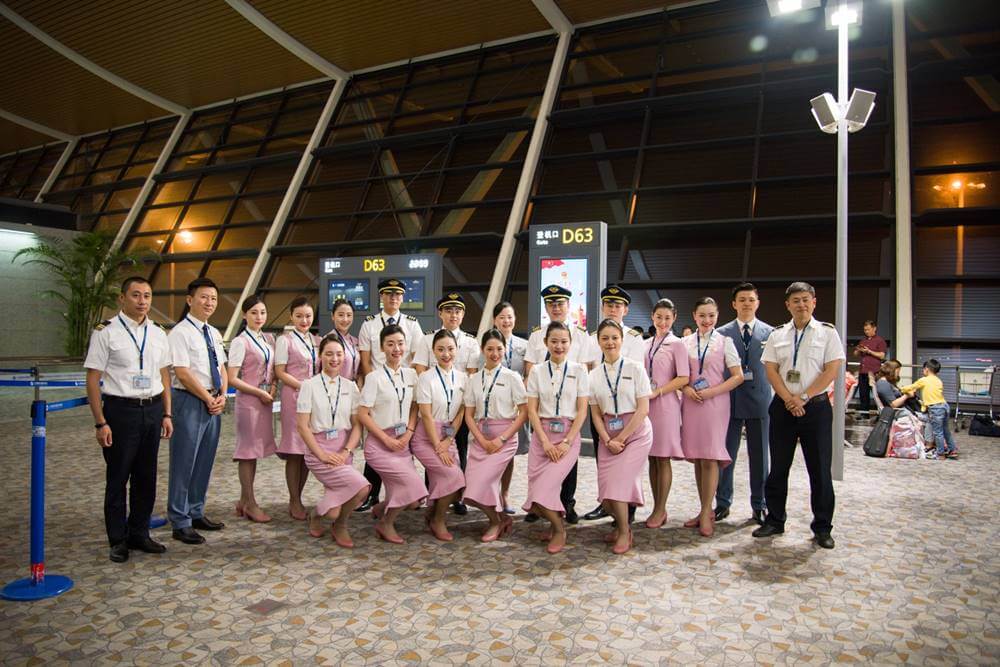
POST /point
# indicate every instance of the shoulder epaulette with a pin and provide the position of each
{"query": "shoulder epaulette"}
(161, 327)
(411, 317)
(581, 329)
(430, 333)
(827, 324)
(469, 335)
(538, 328)
(633, 332)
(101, 325)
(369, 318)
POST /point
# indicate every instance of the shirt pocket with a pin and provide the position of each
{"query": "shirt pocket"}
(120, 353)
(816, 350)
(197, 352)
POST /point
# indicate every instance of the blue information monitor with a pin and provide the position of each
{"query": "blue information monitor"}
(573, 255)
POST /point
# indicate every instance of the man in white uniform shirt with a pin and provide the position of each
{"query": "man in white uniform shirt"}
(130, 354)
(390, 293)
(802, 358)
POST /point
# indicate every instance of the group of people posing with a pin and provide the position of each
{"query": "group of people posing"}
(464, 407)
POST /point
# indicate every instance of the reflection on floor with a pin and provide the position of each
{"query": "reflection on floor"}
(915, 577)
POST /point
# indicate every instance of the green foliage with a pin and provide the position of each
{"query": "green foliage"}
(88, 276)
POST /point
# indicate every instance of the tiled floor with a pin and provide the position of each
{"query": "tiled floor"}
(915, 578)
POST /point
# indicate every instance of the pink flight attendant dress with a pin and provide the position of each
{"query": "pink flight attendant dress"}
(666, 358)
(254, 421)
(704, 425)
(302, 365)
(330, 404)
(444, 391)
(495, 395)
(619, 476)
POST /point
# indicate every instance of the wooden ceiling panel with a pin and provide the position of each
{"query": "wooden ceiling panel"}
(13, 137)
(355, 34)
(582, 11)
(40, 85)
(191, 52)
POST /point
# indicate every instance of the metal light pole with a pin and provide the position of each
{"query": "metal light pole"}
(839, 397)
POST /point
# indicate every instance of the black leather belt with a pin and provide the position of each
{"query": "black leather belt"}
(152, 400)
(818, 398)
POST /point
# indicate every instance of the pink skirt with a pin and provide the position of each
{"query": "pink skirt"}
(254, 429)
(403, 485)
(290, 443)
(483, 471)
(703, 429)
(340, 483)
(665, 419)
(619, 476)
(442, 480)
(545, 477)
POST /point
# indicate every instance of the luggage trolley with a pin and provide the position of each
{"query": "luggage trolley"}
(974, 385)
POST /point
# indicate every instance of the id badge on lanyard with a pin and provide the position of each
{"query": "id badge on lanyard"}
(139, 380)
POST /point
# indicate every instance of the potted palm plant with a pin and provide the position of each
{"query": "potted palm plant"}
(86, 274)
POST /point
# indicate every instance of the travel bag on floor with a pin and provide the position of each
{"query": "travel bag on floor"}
(878, 439)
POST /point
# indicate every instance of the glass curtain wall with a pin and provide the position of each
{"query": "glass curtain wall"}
(23, 174)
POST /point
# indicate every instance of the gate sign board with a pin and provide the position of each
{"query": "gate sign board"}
(573, 255)
(356, 279)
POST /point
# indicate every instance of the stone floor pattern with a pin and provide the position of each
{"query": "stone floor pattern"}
(915, 577)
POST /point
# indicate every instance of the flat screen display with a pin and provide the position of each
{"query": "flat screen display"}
(414, 297)
(354, 290)
(571, 273)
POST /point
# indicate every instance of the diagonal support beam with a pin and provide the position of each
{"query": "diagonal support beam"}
(87, 64)
(286, 41)
(550, 10)
(57, 169)
(287, 202)
(37, 127)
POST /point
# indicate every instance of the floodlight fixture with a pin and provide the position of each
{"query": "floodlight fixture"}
(784, 7)
(848, 13)
(826, 112)
(859, 108)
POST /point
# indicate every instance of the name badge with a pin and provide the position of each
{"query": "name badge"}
(652, 385)
(332, 433)
(398, 430)
(557, 427)
(700, 384)
(142, 382)
(265, 386)
(484, 429)
(793, 375)
(616, 423)
(747, 376)
(449, 430)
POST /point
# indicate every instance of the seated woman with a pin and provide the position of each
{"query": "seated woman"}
(887, 391)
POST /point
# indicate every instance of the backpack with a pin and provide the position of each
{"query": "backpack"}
(906, 437)
(983, 425)
(878, 440)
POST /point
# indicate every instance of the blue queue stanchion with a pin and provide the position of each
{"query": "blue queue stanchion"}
(39, 585)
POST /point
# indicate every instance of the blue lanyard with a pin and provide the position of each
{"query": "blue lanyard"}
(333, 406)
(702, 355)
(400, 396)
(309, 348)
(797, 342)
(145, 333)
(488, 392)
(653, 349)
(614, 390)
(561, 383)
(449, 392)
(350, 350)
(263, 349)
(509, 356)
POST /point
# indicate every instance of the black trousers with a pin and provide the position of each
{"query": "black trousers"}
(374, 479)
(814, 431)
(131, 464)
(864, 392)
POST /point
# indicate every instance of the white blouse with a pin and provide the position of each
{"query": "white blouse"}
(238, 348)
(309, 348)
(694, 340)
(545, 381)
(389, 394)
(632, 384)
(321, 395)
(444, 391)
(506, 393)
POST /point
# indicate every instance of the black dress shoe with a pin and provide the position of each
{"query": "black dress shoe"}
(147, 544)
(571, 516)
(721, 513)
(187, 536)
(825, 540)
(204, 523)
(531, 517)
(597, 513)
(370, 502)
(767, 530)
(459, 508)
(119, 552)
(758, 517)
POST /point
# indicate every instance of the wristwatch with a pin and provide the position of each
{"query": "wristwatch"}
(504, 439)
(804, 396)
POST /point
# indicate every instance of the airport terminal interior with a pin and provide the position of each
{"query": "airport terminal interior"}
(672, 149)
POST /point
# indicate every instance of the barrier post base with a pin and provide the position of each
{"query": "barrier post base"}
(26, 590)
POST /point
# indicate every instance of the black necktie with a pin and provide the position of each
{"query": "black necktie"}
(392, 320)
(212, 359)
(746, 335)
